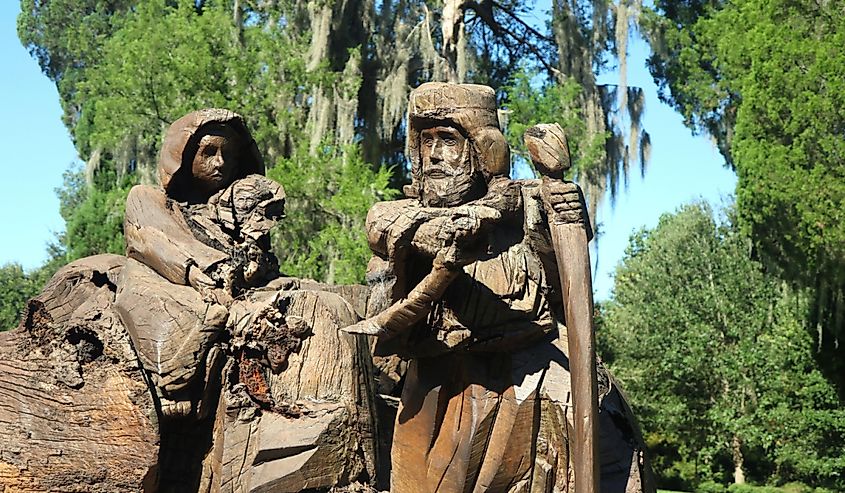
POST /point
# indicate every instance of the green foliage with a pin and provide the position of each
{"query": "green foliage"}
(713, 352)
(765, 78)
(787, 488)
(126, 69)
(748, 488)
(16, 287)
(528, 104)
(96, 226)
(684, 69)
(710, 487)
(93, 217)
(134, 93)
(328, 196)
(66, 36)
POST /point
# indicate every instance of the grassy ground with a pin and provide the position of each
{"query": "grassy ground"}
(788, 488)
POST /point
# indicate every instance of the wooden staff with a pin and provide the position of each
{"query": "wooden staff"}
(569, 226)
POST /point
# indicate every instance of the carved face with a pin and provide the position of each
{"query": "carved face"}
(448, 178)
(216, 160)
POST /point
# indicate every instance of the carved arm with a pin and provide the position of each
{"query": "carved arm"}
(157, 235)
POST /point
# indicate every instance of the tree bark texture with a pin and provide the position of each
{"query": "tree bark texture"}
(76, 411)
(308, 426)
(80, 414)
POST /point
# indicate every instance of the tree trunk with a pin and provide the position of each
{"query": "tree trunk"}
(738, 460)
(76, 412)
(452, 30)
(309, 426)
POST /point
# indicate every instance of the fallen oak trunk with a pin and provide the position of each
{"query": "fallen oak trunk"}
(76, 413)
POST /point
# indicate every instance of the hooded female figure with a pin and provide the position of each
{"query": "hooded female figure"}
(192, 245)
(201, 288)
(216, 332)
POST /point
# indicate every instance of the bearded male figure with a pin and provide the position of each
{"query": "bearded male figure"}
(471, 297)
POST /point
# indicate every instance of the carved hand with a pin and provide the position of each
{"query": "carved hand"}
(207, 287)
(471, 220)
(565, 201)
(199, 280)
(454, 239)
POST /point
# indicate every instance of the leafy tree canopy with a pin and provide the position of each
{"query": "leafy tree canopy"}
(323, 86)
(765, 79)
(717, 362)
(16, 287)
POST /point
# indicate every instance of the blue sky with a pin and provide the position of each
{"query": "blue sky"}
(683, 168)
(37, 150)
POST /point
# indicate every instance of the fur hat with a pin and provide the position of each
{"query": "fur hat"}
(471, 108)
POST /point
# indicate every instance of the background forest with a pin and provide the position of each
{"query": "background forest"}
(724, 327)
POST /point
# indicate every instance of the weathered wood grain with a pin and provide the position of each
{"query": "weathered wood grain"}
(313, 424)
(487, 399)
(75, 409)
(568, 222)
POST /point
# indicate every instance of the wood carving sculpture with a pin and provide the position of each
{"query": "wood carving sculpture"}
(465, 285)
(192, 365)
(239, 398)
(193, 245)
(570, 232)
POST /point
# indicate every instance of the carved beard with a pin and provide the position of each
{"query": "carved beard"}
(460, 185)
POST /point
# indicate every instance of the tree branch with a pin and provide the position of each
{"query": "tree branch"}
(484, 11)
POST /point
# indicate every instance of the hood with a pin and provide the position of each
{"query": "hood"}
(180, 145)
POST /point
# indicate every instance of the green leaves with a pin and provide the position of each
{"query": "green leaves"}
(765, 79)
(530, 103)
(335, 76)
(328, 195)
(162, 63)
(16, 287)
(710, 348)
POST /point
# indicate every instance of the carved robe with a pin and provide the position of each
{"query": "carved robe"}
(171, 325)
(486, 404)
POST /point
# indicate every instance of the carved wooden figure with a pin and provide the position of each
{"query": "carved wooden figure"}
(191, 363)
(466, 286)
(282, 422)
(193, 245)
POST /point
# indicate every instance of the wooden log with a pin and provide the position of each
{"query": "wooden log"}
(310, 425)
(76, 413)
